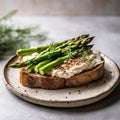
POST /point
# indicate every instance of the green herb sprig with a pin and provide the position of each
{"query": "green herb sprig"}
(13, 38)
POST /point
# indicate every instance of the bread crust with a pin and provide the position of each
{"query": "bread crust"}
(34, 80)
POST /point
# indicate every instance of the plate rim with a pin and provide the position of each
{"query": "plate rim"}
(26, 97)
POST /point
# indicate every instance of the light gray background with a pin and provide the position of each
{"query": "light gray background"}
(62, 7)
(107, 32)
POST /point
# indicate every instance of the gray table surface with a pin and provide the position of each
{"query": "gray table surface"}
(107, 32)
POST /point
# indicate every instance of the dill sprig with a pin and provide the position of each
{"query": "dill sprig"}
(85, 54)
(13, 38)
(8, 15)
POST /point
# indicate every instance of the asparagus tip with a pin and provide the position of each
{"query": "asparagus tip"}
(13, 65)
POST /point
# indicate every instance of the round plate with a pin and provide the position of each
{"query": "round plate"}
(68, 97)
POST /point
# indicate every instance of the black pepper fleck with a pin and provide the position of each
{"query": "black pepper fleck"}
(78, 91)
(25, 90)
(104, 81)
(110, 71)
(36, 91)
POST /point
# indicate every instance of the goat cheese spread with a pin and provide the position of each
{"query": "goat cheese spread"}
(28, 57)
(76, 66)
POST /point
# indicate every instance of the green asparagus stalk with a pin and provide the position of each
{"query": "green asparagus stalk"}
(87, 41)
(43, 70)
(69, 45)
(24, 52)
(88, 47)
(56, 53)
(36, 68)
(39, 58)
(75, 53)
(73, 41)
(52, 64)
(31, 68)
(21, 64)
(79, 44)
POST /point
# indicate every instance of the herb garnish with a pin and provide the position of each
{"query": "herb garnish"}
(13, 38)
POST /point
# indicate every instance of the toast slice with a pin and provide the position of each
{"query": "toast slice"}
(34, 80)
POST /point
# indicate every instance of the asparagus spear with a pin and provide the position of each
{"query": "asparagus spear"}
(24, 52)
(69, 45)
(31, 68)
(36, 68)
(43, 70)
(38, 59)
(55, 53)
(87, 40)
(59, 60)
(79, 44)
(78, 52)
(73, 41)
(52, 64)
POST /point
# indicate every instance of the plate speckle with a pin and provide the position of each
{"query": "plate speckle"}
(68, 97)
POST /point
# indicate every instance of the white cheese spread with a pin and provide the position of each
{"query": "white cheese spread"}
(92, 61)
(28, 57)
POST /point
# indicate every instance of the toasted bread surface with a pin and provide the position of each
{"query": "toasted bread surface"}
(34, 80)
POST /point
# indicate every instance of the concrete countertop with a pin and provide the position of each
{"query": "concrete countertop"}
(107, 32)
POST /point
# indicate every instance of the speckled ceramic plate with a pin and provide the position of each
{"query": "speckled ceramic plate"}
(69, 97)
